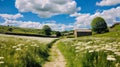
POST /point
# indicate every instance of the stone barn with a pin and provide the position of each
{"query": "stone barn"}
(82, 32)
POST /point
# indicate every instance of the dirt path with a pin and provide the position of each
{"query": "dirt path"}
(56, 58)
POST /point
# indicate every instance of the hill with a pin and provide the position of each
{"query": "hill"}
(4, 29)
(114, 31)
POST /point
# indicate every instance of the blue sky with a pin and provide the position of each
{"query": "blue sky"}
(58, 14)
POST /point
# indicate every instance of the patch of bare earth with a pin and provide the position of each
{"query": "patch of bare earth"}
(56, 58)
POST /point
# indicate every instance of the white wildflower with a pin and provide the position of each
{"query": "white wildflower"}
(90, 42)
(18, 49)
(88, 47)
(117, 53)
(1, 62)
(109, 49)
(14, 47)
(77, 47)
(79, 43)
(90, 51)
(1, 58)
(118, 42)
(111, 58)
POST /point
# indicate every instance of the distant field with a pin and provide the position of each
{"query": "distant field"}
(4, 29)
(21, 51)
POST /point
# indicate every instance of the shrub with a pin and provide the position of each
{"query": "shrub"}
(10, 29)
(99, 25)
(47, 30)
(58, 34)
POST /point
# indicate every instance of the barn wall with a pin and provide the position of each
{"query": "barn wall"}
(83, 33)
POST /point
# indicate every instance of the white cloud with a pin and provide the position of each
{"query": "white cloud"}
(84, 20)
(11, 16)
(47, 8)
(37, 25)
(108, 2)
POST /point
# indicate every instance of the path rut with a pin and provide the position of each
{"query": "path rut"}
(56, 58)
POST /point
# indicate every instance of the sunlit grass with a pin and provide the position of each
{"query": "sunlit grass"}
(23, 52)
(91, 52)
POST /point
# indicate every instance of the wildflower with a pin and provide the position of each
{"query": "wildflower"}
(117, 53)
(111, 58)
(1, 58)
(88, 47)
(90, 51)
(18, 49)
(1, 62)
(77, 47)
(14, 47)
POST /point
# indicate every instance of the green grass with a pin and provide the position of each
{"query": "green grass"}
(114, 32)
(100, 50)
(22, 52)
(4, 29)
(91, 52)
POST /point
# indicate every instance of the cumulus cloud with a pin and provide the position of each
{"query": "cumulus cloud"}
(84, 20)
(108, 2)
(37, 25)
(47, 8)
(11, 16)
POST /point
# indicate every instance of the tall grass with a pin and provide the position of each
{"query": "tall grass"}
(91, 52)
(21, 52)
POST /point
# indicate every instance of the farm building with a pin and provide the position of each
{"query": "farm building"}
(82, 32)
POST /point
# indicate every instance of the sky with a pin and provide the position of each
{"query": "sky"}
(60, 15)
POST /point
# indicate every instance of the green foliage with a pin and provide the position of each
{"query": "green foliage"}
(99, 25)
(58, 34)
(114, 32)
(47, 30)
(10, 29)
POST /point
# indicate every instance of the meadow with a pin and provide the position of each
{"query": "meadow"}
(91, 52)
(17, 51)
(98, 50)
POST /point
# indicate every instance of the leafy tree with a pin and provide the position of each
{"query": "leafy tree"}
(58, 34)
(99, 25)
(47, 30)
(10, 29)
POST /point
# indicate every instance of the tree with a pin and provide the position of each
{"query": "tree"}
(58, 34)
(47, 30)
(10, 29)
(99, 25)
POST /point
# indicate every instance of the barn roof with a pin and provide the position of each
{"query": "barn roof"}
(83, 30)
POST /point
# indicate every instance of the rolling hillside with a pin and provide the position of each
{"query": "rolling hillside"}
(114, 31)
(4, 29)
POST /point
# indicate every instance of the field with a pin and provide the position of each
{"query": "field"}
(18, 51)
(4, 29)
(91, 52)
(98, 50)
